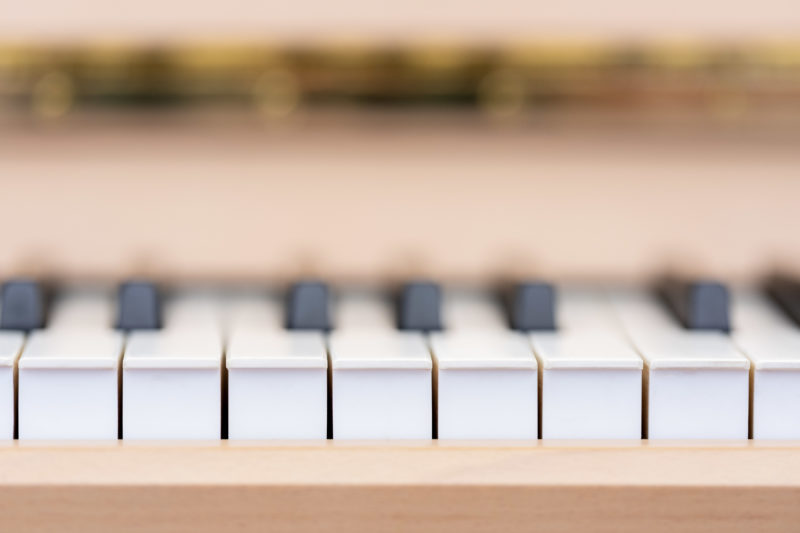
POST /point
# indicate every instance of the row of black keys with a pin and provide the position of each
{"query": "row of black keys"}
(698, 305)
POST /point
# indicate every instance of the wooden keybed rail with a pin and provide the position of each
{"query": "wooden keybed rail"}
(376, 487)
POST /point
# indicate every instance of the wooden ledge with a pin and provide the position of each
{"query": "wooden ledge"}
(225, 463)
(375, 487)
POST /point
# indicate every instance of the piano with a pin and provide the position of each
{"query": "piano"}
(338, 266)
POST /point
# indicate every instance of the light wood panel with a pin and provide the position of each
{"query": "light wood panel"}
(332, 486)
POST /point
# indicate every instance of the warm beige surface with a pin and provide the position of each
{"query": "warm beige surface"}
(633, 463)
(318, 19)
(382, 198)
(394, 487)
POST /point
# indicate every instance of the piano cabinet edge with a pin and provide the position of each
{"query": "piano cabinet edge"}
(376, 487)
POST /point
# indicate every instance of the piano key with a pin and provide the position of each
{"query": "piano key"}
(172, 378)
(194, 309)
(10, 348)
(639, 314)
(772, 343)
(531, 306)
(252, 309)
(308, 306)
(591, 377)
(698, 304)
(23, 305)
(139, 306)
(485, 374)
(755, 312)
(364, 309)
(381, 378)
(586, 309)
(486, 385)
(68, 385)
(381, 385)
(786, 292)
(69, 372)
(277, 379)
(697, 382)
(419, 306)
(82, 308)
(467, 310)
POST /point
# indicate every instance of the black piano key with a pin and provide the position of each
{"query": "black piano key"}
(24, 305)
(138, 305)
(532, 306)
(698, 304)
(419, 306)
(785, 291)
(308, 306)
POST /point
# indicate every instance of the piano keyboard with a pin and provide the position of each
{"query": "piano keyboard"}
(693, 360)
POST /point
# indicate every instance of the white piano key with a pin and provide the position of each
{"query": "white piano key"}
(69, 372)
(195, 310)
(10, 347)
(486, 385)
(486, 374)
(381, 385)
(277, 379)
(253, 310)
(172, 383)
(68, 384)
(591, 376)
(364, 310)
(641, 314)
(697, 382)
(772, 343)
(585, 309)
(172, 378)
(753, 312)
(82, 309)
(591, 386)
(472, 310)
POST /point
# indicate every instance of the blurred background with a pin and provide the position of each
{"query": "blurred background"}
(364, 141)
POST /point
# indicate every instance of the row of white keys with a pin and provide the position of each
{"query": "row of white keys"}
(277, 379)
(173, 377)
(69, 372)
(772, 343)
(380, 377)
(591, 376)
(486, 375)
(696, 383)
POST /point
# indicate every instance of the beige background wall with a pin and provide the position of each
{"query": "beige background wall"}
(475, 19)
(378, 199)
